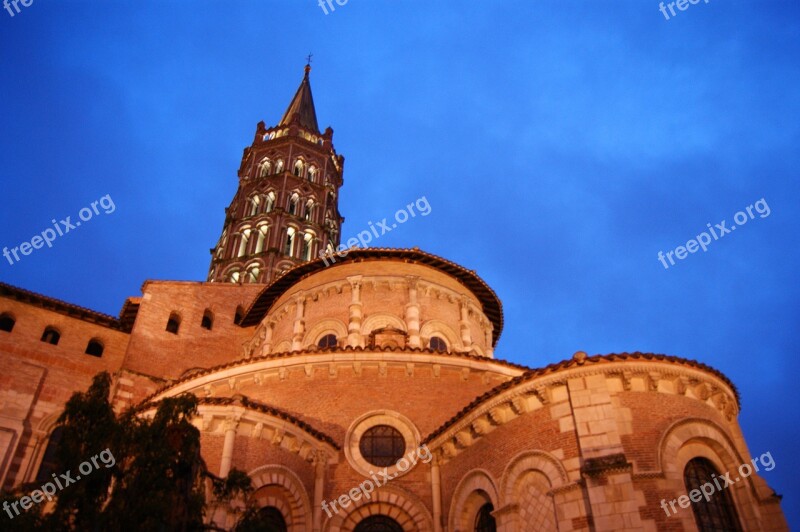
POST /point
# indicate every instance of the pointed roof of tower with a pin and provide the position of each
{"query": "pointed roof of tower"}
(302, 106)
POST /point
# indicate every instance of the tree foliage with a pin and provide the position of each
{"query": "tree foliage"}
(157, 480)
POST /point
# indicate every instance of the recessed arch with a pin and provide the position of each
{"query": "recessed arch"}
(692, 438)
(279, 487)
(439, 328)
(283, 347)
(390, 500)
(473, 491)
(320, 329)
(542, 461)
(382, 321)
(527, 482)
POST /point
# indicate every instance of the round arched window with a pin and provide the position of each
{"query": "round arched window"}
(329, 340)
(437, 344)
(272, 519)
(378, 523)
(382, 445)
(718, 513)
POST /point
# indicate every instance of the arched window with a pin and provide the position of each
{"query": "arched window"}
(382, 445)
(289, 248)
(239, 315)
(298, 168)
(378, 523)
(243, 240)
(265, 168)
(437, 344)
(308, 240)
(261, 237)
(292, 204)
(252, 274)
(7, 322)
(234, 276)
(716, 514)
(94, 348)
(51, 335)
(222, 241)
(173, 323)
(484, 521)
(329, 340)
(308, 215)
(271, 519)
(49, 463)
(312, 174)
(208, 320)
(279, 166)
(270, 202)
(254, 203)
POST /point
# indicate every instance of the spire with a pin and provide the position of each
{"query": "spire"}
(302, 106)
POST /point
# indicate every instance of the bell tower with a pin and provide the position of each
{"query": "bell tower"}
(285, 210)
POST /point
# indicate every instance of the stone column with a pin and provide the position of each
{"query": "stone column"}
(354, 338)
(266, 347)
(466, 333)
(436, 490)
(320, 464)
(299, 323)
(412, 313)
(229, 426)
(489, 349)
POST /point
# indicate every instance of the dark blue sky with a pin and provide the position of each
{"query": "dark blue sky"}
(560, 144)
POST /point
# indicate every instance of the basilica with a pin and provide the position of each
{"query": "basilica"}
(363, 393)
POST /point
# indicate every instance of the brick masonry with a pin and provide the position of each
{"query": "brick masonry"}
(589, 443)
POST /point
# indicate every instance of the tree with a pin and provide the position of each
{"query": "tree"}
(151, 477)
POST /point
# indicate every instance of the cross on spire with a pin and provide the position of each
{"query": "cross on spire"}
(309, 59)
